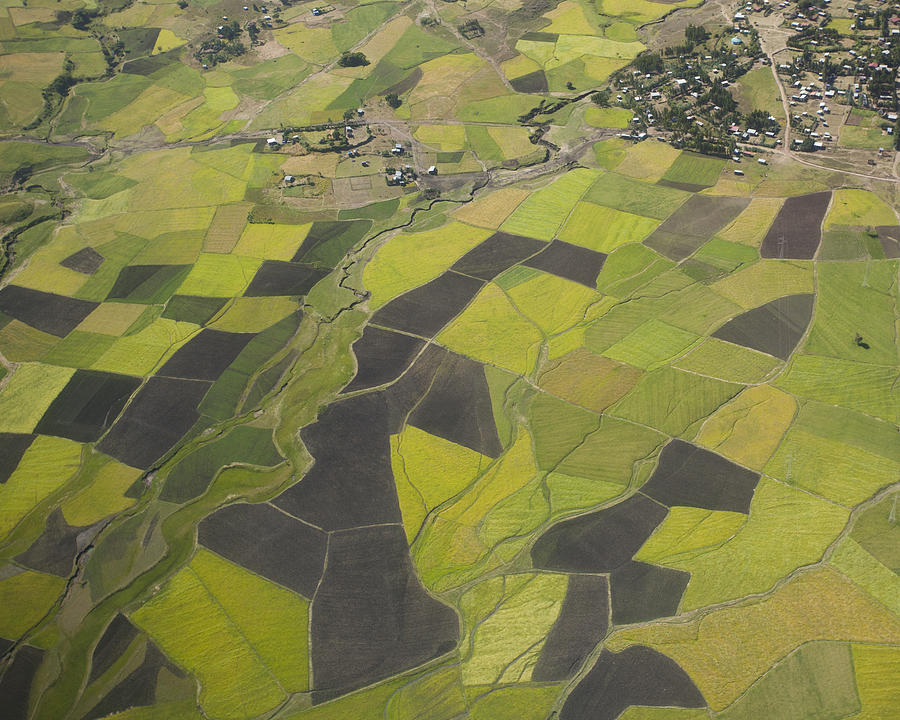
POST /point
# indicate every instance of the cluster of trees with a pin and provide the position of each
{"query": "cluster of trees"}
(352, 59)
(649, 63)
(718, 95)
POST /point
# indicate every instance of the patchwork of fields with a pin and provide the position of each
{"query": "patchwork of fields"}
(606, 434)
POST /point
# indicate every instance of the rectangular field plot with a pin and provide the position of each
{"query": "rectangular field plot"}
(544, 211)
(633, 196)
(693, 172)
(603, 228)
(727, 361)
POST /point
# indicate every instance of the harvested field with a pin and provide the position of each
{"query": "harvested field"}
(582, 623)
(206, 356)
(283, 278)
(87, 405)
(381, 356)
(797, 229)
(87, 261)
(158, 417)
(774, 328)
(53, 314)
(570, 262)
(636, 676)
(496, 254)
(690, 476)
(642, 592)
(600, 541)
(693, 223)
(425, 310)
(268, 543)
(371, 599)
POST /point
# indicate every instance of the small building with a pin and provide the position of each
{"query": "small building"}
(273, 142)
(761, 161)
(736, 41)
(432, 170)
(288, 179)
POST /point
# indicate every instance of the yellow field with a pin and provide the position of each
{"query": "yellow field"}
(411, 259)
(726, 651)
(112, 318)
(492, 331)
(271, 241)
(750, 427)
(490, 211)
(765, 281)
(750, 227)
(28, 393)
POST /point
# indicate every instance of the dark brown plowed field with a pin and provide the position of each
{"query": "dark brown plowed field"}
(283, 278)
(774, 328)
(692, 224)
(114, 641)
(533, 82)
(205, 356)
(690, 476)
(86, 261)
(15, 685)
(381, 355)
(87, 405)
(55, 550)
(458, 407)
(351, 482)
(600, 541)
(642, 592)
(582, 623)
(371, 617)
(636, 676)
(426, 309)
(49, 313)
(797, 230)
(571, 262)
(498, 253)
(267, 542)
(12, 448)
(158, 417)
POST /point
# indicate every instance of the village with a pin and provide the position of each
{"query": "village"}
(836, 62)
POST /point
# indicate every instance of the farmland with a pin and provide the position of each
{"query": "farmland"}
(362, 360)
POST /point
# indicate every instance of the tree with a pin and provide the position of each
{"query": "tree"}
(81, 18)
(601, 98)
(231, 30)
(758, 119)
(649, 63)
(352, 59)
(393, 99)
(695, 34)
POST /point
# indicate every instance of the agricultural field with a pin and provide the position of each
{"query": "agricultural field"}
(355, 364)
